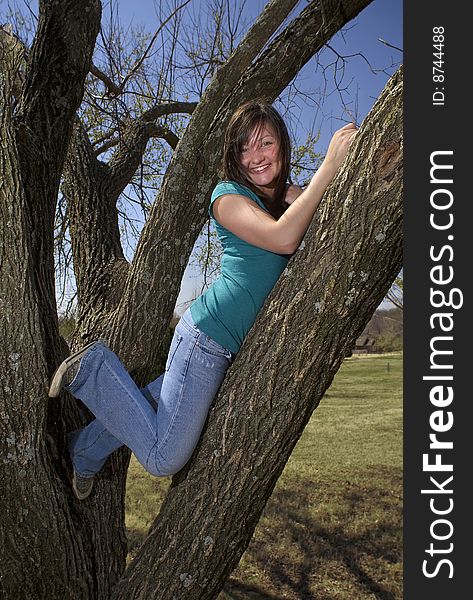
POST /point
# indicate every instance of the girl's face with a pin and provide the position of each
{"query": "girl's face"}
(261, 158)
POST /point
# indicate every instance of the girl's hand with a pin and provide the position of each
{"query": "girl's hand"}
(292, 192)
(338, 147)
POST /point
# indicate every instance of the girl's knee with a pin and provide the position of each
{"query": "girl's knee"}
(165, 468)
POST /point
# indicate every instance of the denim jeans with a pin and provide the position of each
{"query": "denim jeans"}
(162, 440)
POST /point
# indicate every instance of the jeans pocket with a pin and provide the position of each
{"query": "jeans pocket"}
(176, 340)
(210, 346)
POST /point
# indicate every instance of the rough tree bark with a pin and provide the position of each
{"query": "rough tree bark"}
(53, 546)
(43, 549)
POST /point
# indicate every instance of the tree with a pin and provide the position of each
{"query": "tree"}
(53, 546)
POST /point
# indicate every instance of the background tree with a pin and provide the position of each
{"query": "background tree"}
(52, 545)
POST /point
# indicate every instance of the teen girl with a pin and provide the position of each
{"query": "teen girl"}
(260, 220)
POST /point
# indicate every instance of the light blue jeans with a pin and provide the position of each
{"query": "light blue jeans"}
(162, 440)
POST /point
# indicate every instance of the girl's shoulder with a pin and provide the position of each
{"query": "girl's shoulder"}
(231, 187)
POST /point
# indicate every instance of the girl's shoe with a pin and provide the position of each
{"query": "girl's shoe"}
(82, 486)
(66, 371)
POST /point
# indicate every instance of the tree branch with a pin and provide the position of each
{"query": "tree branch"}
(154, 131)
(112, 87)
(12, 54)
(134, 138)
(168, 108)
(388, 44)
(111, 143)
(58, 62)
(57, 66)
(115, 90)
(139, 62)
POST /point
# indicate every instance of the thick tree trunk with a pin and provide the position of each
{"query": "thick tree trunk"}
(46, 548)
(347, 261)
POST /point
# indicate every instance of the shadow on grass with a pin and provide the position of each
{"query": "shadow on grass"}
(320, 542)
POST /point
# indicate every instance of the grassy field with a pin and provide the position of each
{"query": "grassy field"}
(332, 528)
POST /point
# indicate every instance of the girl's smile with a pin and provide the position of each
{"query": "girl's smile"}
(260, 158)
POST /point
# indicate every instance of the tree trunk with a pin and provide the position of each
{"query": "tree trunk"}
(46, 551)
(328, 292)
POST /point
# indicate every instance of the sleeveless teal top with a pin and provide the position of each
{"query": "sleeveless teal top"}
(228, 308)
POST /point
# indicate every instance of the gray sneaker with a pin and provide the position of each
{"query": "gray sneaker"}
(82, 486)
(66, 371)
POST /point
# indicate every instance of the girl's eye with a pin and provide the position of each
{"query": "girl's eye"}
(244, 150)
(267, 143)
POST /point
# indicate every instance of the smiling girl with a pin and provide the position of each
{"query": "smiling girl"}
(260, 220)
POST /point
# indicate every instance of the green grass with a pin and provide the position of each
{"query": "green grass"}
(332, 528)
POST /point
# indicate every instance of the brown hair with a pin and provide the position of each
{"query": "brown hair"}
(252, 115)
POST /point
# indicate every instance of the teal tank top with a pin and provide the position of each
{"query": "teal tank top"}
(228, 308)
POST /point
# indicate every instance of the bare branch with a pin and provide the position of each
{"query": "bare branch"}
(395, 294)
(168, 108)
(139, 62)
(51, 95)
(153, 130)
(112, 87)
(166, 134)
(49, 101)
(12, 54)
(111, 143)
(133, 140)
(106, 136)
(389, 45)
(115, 90)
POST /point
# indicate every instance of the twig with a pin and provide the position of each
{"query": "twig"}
(139, 62)
(388, 44)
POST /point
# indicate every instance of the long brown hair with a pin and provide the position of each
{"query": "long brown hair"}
(251, 116)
